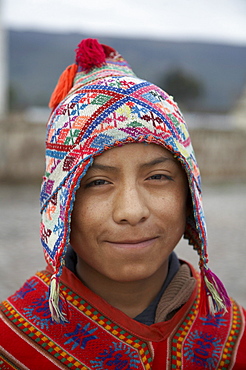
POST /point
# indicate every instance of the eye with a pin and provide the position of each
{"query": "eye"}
(160, 176)
(98, 182)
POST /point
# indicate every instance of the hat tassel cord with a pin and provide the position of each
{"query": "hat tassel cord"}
(54, 301)
(217, 297)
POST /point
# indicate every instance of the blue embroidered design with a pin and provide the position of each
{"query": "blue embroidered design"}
(59, 226)
(81, 336)
(39, 312)
(217, 321)
(137, 109)
(151, 97)
(117, 357)
(203, 350)
(101, 140)
(28, 287)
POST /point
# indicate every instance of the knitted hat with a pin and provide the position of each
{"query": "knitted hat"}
(99, 103)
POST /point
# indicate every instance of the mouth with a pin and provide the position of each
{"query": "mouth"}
(133, 244)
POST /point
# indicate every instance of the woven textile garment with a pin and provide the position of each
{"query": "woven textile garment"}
(100, 337)
(47, 325)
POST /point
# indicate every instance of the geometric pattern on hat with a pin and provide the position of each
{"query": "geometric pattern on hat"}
(103, 113)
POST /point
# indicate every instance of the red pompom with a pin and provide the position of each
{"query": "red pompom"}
(90, 54)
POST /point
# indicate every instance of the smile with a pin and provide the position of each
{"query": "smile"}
(134, 244)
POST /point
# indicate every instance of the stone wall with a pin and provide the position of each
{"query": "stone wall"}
(221, 154)
(21, 151)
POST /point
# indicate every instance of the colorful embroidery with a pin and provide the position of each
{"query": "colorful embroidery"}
(202, 350)
(180, 335)
(38, 312)
(28, 287)
(88, 331)
(81, 336)
(217, 321)
(206, 343)
(117, 357)
(91, 341)
(227, 357)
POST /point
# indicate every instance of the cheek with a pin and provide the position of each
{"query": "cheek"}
(88, 218)
(173, 203)
(82, 211)
(172, 212)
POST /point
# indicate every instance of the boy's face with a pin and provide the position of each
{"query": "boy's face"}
(129, 213)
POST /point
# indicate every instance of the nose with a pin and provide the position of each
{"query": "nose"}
(130, 206)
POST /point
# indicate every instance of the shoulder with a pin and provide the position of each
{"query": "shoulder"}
(221, 337)
(31, 287)
(240, 331)
(33, 293)
(20, 312)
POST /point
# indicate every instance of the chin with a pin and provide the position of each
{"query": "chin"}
(134, 274)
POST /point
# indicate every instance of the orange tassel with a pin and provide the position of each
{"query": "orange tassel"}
(63, 86)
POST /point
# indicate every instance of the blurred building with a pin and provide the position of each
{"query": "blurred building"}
(3, 67)
(239, 111)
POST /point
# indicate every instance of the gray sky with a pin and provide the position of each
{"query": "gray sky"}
(202, 20)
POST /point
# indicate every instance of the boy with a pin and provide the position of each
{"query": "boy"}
(121, 188)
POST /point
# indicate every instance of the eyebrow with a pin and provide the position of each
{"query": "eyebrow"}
(103, 167)
(157, 161)
(98, 166)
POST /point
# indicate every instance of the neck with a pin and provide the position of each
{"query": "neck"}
(132, 297)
